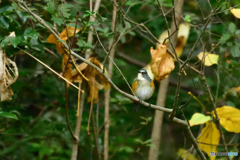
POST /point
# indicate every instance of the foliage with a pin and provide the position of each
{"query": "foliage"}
(34, 122)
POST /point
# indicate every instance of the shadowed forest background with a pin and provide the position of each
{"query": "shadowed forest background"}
(38, 109)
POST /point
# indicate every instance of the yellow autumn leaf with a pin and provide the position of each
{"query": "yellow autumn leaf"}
(182, 37)
(183, 153)
(52, 39)
(235, 12)
(96, 80)
(208, 58)
(66, 67)
(209, 135)
(162, 63)
(229, 118)
(198, 118)
(69, 32)
(94, 87)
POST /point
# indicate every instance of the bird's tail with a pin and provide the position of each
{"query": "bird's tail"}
(136, 106)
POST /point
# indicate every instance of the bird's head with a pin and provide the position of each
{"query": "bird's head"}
(143, 75)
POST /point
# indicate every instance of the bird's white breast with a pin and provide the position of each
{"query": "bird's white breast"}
(144, 90)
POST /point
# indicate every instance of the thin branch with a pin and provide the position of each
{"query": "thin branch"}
(67, 117)
(215, 112)
(192, 138)
(52, 70)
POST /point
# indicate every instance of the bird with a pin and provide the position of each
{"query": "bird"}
(143, 87)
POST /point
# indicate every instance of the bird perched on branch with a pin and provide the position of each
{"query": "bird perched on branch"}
(143, 87)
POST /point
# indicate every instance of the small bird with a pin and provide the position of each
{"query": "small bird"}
(143, 87)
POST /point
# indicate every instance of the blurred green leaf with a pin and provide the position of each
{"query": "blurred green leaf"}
(225, 37)
(15, 40)
(8, 115)
(126, 149)
(232, 27)
(56, 20)
(50, 8)
(3, 22)
(187, 18)
(235, 52)
(30, 33)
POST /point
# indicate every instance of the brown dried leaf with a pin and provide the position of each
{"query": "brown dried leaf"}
(52, 39)
(94, 87)
(64, 36)
(162, 63)
(8, 75)
(66, 69)
(95, 78)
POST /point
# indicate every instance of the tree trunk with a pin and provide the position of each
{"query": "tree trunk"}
(158, 117)
(107, 93)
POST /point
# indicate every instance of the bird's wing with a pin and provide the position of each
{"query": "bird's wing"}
(134, 86)
(152, 84)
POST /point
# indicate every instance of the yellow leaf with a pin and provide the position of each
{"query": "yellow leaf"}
(183, 153)
(209, 135)
(235, 12)
(162, 63)
(208, 58)
(66, 69)
(70, 30)
(182, 37)
(64, 36)
(229, 118)
(94, 78)
(94, 87)
(198, 118)
(81, 67)
(52, 39)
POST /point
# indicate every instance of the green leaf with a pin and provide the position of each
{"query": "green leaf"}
(6, 9)
(88, 13)
(229, 44)
(148, 141)
(151, 145)
(187, 18)
(8, 115)
(102, 18)
(30, 33)
(235, 52)
(14, 5)
(66, 9)
(3, 23)
(36, 45)
(232, 27)
(58, 21)
(92, 23)
(82, 43)
(126, 149)
(225, 37)
(15, 40)
(50, 8)
(23, 15)
(198, 118)
(237, 32)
